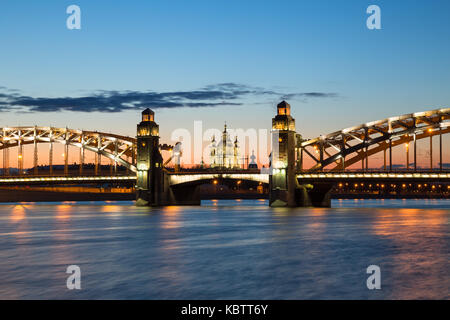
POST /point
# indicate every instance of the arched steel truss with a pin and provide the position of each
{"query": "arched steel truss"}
(120, 149)
(335, 152)
(339, 150)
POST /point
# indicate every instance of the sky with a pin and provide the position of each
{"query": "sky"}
(220, 61)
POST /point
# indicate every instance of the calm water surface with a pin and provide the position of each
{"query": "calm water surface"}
(225, 250)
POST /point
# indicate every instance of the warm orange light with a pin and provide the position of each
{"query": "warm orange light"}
(20, 156)
(18, 213)
(215, 182)
(148, 117)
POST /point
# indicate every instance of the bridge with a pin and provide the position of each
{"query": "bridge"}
(302, 171)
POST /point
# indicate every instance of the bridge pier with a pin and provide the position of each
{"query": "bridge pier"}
(153, 185)
(149, 162)
(282, 184)
(285, 190)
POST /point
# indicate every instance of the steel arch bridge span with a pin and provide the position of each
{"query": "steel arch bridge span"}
(119, 149)
(341, 149)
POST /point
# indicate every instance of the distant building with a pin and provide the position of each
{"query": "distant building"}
(253, 164)
(224, 153)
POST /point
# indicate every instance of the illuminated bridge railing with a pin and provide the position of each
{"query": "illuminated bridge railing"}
(397, 176)
(192, 177)
(69, 179)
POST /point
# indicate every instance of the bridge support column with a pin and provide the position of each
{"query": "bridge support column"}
(66, 152)
(98, 162)
(390, 155)
(35, 156)
(284, 189)
(20, 157)
(6, 161)
(301, 159)
(50, 156)
(407, 155)
(431, 151)
(150, 177)
(81, 157)
(440, 149)
(282, 181)
(153, 183)
(66, 158)
(415, 152)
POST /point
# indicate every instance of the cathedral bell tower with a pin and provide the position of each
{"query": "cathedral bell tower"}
(149, 162)
(282, 179)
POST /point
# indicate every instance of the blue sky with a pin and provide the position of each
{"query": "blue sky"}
(284, 47)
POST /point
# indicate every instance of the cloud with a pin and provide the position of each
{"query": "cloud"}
(305, 95)
(215, 95)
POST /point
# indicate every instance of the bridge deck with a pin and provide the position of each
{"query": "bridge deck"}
(181, 177)
(64, 179)
(375, 176)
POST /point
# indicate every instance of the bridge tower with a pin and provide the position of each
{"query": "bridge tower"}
(282, 181)
(149, 187)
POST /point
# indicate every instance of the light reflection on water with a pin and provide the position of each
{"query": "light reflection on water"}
(226, 250)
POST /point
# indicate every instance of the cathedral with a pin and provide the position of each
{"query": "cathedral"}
(224, 153)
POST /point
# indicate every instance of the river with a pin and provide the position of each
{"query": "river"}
(225, 249)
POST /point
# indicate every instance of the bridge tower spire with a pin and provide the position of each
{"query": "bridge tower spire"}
(282, 182)
(149, 185)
